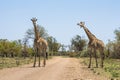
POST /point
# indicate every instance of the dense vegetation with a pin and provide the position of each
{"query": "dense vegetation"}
(23, 48)
(78, 47)
(13, 48)
(112, 48)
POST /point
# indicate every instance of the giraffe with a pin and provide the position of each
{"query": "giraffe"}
(40, 44)
(94, 44)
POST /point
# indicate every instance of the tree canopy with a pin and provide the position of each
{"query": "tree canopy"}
(78, 43)
(30, 32)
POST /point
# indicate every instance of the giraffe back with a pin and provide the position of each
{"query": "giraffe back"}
(96, 43)
(43, 43)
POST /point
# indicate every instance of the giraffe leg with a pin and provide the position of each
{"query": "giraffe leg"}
(39, 54)
(96, 58)
(34, 61)
(90, 54)
(39, 61)
(102, 58)
(47, 55)
(44, 62)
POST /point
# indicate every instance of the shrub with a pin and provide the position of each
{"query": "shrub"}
(84, 53)
(72, 54)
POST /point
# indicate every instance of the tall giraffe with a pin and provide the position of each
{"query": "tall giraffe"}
(40, 44)
(93, 45)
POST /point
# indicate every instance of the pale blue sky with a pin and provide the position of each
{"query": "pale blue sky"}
(59, 17)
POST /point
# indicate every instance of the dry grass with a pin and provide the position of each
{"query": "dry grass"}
(14, 62)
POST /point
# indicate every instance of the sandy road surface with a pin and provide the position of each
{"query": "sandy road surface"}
(57, 68)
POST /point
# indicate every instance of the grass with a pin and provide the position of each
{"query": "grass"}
(111, 68)
(14, 62)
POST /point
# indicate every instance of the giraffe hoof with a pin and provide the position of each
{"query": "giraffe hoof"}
(44, 65)
(88, 66)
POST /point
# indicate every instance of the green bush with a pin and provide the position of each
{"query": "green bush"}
(115, 74)
(84, 53)
(72, 54)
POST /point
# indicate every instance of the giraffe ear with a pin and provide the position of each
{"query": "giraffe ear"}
(78, 24)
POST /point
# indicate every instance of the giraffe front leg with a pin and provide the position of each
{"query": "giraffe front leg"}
(102, 57)
(90, 54)
(39, 61)
(34, 61)
(90, 61)
(47, 55)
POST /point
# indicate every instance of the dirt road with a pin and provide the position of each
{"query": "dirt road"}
(57, 68)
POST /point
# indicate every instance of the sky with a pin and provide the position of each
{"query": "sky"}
(60, 18)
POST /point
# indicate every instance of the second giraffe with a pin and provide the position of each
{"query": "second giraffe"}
(93, 45)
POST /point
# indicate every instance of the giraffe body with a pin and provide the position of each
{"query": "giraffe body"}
(93, 45)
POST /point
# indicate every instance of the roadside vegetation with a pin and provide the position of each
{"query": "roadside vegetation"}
(111, 68)
(14, 62)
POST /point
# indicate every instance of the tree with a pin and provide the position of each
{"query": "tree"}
(117, 43)
(53, 44)
(78, 43)
(25, 48)
(109, 48)
(3, 47)
(117, 34)
(10, 48)
(42, 31)
(113, 47)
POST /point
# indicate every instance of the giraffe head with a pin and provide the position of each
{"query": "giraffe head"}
(81, 24)
(33, 20)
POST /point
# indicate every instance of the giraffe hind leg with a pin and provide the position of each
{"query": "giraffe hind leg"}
(102, 57)
(96, 58)
(39, 61)
(44, 62)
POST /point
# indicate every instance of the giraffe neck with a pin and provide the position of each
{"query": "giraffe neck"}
(89, 34)
(36, 31)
